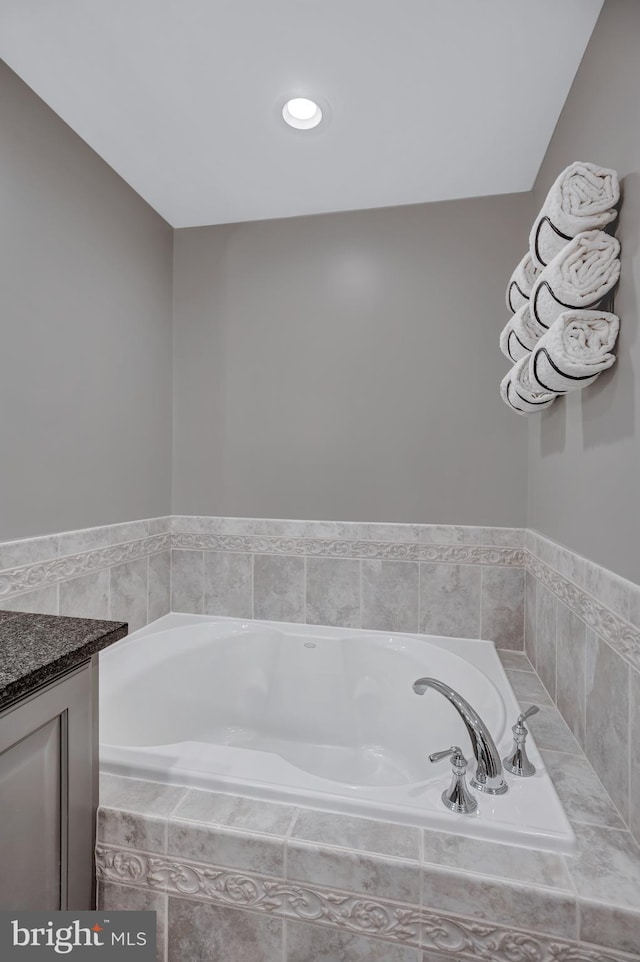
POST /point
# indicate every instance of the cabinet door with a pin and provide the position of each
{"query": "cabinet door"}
(48, 797)
(30, 823)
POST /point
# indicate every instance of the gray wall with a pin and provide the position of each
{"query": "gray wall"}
(85, 355)
(584, 453)
(346, 366)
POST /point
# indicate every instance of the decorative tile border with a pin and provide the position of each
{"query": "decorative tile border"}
(619, 633)
(453, 937)
(32, 576)
(373, 550)
(392, 921)
(42, 572)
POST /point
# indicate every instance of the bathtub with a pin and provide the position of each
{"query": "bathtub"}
(319, 717)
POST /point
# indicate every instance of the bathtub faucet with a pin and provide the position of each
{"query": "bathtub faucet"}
(488, 777)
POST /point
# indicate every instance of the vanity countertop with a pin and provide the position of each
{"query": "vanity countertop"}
(36, 649)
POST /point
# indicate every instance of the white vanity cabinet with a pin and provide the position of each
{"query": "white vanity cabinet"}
(49, 793)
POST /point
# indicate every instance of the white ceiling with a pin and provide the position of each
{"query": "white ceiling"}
(428, 99)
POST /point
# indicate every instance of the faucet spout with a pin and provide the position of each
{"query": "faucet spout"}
(488, 777)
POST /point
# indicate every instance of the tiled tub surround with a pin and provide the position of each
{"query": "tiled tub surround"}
(435, 579)
(248, 881)
(582, 633)
(323, 717)
(119, 572)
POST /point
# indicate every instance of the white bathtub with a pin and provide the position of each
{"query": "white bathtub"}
(324, 717)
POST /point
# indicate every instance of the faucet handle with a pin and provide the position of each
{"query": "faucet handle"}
(457, 798)
(454, 750)
(518, 762)
(527, 714)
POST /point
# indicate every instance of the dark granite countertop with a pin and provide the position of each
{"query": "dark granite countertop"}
(36, 649)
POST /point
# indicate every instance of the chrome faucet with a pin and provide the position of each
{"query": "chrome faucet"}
(488, 777)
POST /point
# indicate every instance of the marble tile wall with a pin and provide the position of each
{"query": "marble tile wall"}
(437, 579)
(582, 634)
(120, 572)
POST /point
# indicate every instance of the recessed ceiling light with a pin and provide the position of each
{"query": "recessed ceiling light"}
(301, 113)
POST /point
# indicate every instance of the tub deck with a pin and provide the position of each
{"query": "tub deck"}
(320, 717)
(294, 876)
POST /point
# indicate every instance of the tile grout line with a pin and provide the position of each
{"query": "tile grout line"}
(437, 869)
(285, 839)
(534, 624)
(629, 742)
(170, 579)
(555, 654)
(585, 665)
(481, 601)
(422, 891)
(284, 937)
(202, 583)
(305, 619)
(177, 805)
(253, 585)
(559, 751)
(597, 825)
(166, 927)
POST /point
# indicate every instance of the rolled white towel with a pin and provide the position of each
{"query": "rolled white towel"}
(521, 282)
(519, 393)
(510, 346)
(520, 334)
(583, 197)
(578, 277)
(574, 351)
